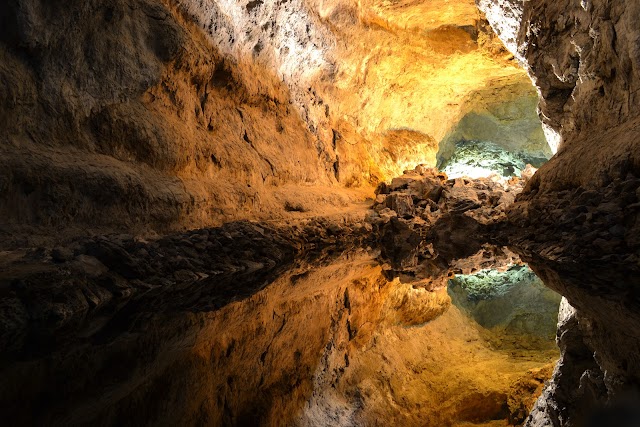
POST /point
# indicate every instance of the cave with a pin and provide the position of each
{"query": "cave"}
(320, 213)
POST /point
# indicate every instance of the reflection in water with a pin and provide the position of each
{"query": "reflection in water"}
(332, 344)
(513, 304)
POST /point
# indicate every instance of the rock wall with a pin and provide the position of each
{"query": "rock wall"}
(415, 71)
(578, 217)
(583, 58)
(123, 115)
(256, 324)
(162, 114)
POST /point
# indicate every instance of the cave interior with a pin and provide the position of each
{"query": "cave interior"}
(320, 213)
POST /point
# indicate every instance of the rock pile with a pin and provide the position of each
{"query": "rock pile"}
(430, 227)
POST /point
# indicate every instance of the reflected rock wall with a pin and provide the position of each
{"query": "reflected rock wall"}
(333, 343)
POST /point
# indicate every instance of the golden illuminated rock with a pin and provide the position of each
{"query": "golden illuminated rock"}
(123, 123)
(200, 112)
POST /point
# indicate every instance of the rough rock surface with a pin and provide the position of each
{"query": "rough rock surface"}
(329, 341)
(504, 114)
(562, 403)
(263, 325)
(124, 115)
(514, 302)
(582, 56)
(202, 270)
(577, 219)
(161, 114)
(475, 159)
(430, 227)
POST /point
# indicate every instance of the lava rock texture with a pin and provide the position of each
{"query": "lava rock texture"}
(430, 227)
(48, 290)
(576, 222)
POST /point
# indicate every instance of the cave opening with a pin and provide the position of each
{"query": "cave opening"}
(500, 134)
(493, 143)
(512, 302)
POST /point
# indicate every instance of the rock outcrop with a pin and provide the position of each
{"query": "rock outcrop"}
(430, 227)
(562, 402)
(576, 222)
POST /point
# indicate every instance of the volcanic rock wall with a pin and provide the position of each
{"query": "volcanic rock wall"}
(160, 114)
(203, 340)
(122, 114)
(577, 220)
